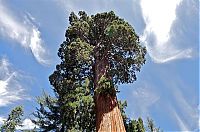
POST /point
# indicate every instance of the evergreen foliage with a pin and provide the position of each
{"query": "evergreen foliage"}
(74, 115)
(130, 125)
(151, 126)
(14, 119)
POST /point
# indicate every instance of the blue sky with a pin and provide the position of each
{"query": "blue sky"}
(167, 88)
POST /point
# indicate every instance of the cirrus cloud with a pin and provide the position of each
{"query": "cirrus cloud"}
(24, 32)
(10, 87)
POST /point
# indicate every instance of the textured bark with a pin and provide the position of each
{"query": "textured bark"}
(108, 115)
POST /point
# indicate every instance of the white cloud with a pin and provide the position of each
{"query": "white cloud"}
(27, 124)
(159, 16)
(36, 47)
(10, 88)
(23, 32)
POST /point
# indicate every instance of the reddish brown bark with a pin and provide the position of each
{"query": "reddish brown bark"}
(108, 115)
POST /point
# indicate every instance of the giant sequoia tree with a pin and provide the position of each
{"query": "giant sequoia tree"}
(100, 52)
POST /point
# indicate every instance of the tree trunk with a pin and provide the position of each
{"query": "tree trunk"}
(108, 115)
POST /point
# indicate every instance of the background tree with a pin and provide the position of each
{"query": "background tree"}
(14, 119)
(151, 126)
(71, 112)
(131, 125)
(100, 52)
(135, 125)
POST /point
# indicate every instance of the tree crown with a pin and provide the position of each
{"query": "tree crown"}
(104, 35)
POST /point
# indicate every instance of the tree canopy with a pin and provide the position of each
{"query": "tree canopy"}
(14, 119)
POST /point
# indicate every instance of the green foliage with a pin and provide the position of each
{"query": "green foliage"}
(71, 112)
(89, 39)
(130, 125)
(81, 51)
(122, 107)
(138, 125)
(13, 120)
(106, 87)
(135, 126)
(151, 126)
(48, 115)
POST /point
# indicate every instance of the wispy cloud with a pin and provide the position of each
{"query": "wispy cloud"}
(10, 88)
(186, 112)
(185, 115)
(180, 99)
(182, 125)
(160, 16)
(23, 31)
(141, 97)
(146, 96)
(164, 96)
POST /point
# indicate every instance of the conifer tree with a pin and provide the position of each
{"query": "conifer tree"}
(100, 52)
(151, 126)
(14, 119)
